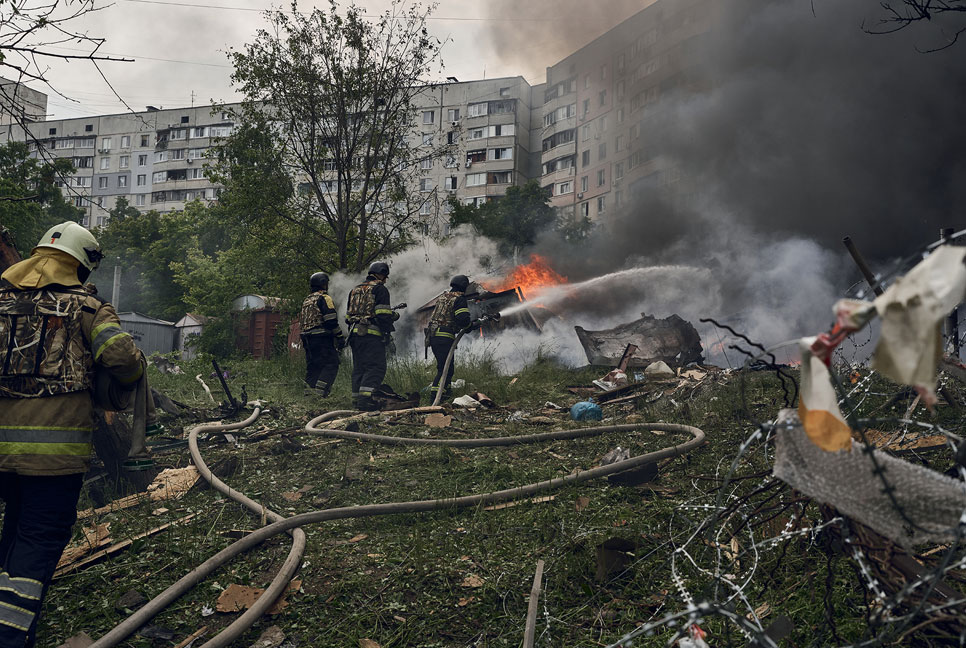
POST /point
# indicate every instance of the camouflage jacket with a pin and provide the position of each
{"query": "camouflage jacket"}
(318, 315)
(368, 311)
(450, 315)
(52, 339)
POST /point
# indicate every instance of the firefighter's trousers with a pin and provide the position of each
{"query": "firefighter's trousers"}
(441, 346)
(368, 364)
(37, 521)
(321, 359)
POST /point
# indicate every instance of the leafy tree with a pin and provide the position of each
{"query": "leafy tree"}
(322, 150)
(30, 201)
(513, 221)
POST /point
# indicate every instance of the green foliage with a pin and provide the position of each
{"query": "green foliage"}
(518, 218)
(318, 170)
(30, 201)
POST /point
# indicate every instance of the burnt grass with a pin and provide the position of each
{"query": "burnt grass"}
(463, 578)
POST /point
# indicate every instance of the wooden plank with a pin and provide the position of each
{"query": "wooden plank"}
(194, 635)
(120, 546)
(531, 627)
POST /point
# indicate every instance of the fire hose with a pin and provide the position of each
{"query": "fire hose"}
(452, 350)
(281, 525)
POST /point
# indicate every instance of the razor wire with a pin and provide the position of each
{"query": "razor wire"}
(716, 576)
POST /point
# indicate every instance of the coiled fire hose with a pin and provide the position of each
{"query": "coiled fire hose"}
(281, 525)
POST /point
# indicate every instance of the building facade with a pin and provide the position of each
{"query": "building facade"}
(589, 134)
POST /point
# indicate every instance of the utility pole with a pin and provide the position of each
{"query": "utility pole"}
(116, 292)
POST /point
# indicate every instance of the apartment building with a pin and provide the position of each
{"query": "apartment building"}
(602, 111)
(19, 104)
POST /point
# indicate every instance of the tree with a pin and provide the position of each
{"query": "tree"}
(907, 12)
(30, 32)
(514, 220)
(324, 131)
(30, 201)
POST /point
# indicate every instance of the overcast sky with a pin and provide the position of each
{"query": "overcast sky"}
(180, 46)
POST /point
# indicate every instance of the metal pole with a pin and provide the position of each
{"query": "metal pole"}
(952, 322)
(863, 266)
(116, 292)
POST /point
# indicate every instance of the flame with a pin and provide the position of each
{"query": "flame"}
(531, 278)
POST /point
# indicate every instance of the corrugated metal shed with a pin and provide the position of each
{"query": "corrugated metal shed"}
(151, 335)
(188, 327)
(257, 320)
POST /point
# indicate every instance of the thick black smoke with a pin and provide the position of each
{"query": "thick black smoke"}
(813, 128)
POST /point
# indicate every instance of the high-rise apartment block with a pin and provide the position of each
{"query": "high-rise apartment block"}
(589, 135)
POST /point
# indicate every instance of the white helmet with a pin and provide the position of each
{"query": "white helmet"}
(76, 241)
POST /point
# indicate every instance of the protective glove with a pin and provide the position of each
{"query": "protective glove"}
(395, 316)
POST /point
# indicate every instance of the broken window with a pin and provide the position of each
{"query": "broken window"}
(586, 106)
(142, 160)
(504, 92)
(478, 155)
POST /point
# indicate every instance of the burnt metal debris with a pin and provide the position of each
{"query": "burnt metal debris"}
(672, 340)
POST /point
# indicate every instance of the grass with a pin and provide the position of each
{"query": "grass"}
(405, 582)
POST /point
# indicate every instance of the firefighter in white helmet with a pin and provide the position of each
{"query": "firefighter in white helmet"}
(53, 334)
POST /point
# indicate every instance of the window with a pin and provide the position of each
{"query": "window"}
(106, 143)
(450, 162)
(102, 182)
(176, 154)
(178, 134)
(88, 128)
(199, 131)
(122, 181)
(52, 131)
(620, 115)
(86, 142)
(478, 155)
(64, 144)
(500, 154)
(426, 208)
(159, 176)
(139, 200)
(500, 177)
(478, 133)
(196, 174)
(618, 198)
(585, 159)
(586, 81)
(78, 200)
(429, 116)
(563, 137)
(565, 188)
(144, 140)
(603, 72)
(105, 163)
(583, 183)
(602, 151)
(585, 132)
(503, 130)
(475, 179)
(504, 92)
(427, 139)
(601, 200)
(426, 163)
(586, 106)
(84, 162)
(196, 153)
(620, 64)
(225, 115)
(124, 162)
(602, 124)
(219, 131)
(585, 209)
(477, 109)
(450, 183)
(452, 137)
(184, 119)
(82, 182)
(142, 160)
(619, 143)
(142, 180)
(601, 178)
(620, 90)
(426, 184)
(603, 97)
(125, 141)
(453, 114)
(619, 171)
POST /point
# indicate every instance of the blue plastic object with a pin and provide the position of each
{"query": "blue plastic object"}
(586, 411)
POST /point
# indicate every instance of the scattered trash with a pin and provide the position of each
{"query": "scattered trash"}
(472, 581)
(165, 366)
(581, 503)
(552, 405)
(612, 380)
(516, 417)
(659, 369)
(130, 600)
(292, 496)
(156, 632)
(695, 638)
(80, 640)
(541, 420)
(207, 610)
(586, 411)
(615, 455)
(236, 598)
(483, 399)
(466, 401)
(459, 383)
(673, 340)
(438, 420)
(271, 638)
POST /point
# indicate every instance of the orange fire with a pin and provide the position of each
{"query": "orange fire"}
(530, 278)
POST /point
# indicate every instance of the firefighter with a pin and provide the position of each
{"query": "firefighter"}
(322, 336)
(53, 334)
(370, 320)
(450, 316)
